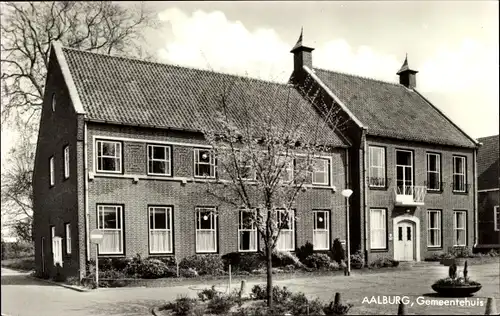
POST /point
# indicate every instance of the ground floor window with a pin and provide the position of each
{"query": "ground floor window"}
(247, 231)
(460, 227)
(378, 229)
(160, 229)
(206, 229)
(434, 228)
(321, 230)
(286, 239)
(110, 221)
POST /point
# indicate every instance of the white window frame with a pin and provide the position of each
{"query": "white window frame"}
(374, 244)
(326, 171)
(118, 210)
(496, 212)
(66, 161)
(167, 160)
(462, 174)
(67, 232)
(456, 229)
(372, 166)
(52, 171)
(291, 219)
(242, 229)
(196, 163)
(213, 227)
(247, 165)
(438, 171)
(168, 229)
(404, 169)
(431, 229)
(117, 157)
(316, 229)
(53, 102)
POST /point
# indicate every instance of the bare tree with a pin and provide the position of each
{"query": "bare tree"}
(265, 141)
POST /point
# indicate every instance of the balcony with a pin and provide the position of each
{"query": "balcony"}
(410, 195)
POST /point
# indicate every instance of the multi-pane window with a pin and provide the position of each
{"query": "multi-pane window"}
(286, 222)
(378, 229)
(404, 172)
(52, 171)
(496, 218)
(160, 229)
(159, 160)
(459, 167)
(66, 162)
(460, 228)
(377, 166)
(206, 230)
(434, 228)
(433, 172)
(288, 170)
(321, 230)
(204, 163)
(245, 168)
(247, 231)
(110, 221)
(320, 171)
(109, 156)
(56, 247)
(67, 229)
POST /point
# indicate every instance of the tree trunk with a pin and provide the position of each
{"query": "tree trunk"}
(269, 253)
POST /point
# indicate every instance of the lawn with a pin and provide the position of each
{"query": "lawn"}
(23, 264)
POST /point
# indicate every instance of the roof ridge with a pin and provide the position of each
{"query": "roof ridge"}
(362, 77)
(135, 59)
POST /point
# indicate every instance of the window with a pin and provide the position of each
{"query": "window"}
(247, 231)
(404, 172)
(204, 163)
(109, 220)
(320, 171)
(53, 102)
(245, 168)
(52, 171)
(377, 166)
(496, 218)
(66, 162)
(206, 230)
(378, 229)
(159, 160)
(433, 228)
(459, 174)
(109, 156)
(460, 227)
(67, 229)
(321, 230)
(433, 172)
(160, 229)
(288, 171)
(56, 247)
(286, 238)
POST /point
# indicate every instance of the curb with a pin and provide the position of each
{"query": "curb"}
(71, 287)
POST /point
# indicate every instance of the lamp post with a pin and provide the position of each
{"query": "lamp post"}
(347, 193)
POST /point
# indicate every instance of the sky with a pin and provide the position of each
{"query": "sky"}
(453, 45)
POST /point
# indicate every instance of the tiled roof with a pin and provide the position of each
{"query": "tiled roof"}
(392, 110)
(488, 163)
(135, 92)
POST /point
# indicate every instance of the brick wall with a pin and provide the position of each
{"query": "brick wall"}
(447, 201)
(486, 203)
(185, 197)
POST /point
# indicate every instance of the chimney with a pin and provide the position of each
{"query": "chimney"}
(301, 55)
(407, 77)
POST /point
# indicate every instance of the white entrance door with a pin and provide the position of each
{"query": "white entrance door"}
(404, 241)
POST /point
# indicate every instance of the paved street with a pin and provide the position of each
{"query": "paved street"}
(22, 296)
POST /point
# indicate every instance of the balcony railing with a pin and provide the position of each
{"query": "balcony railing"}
(410, 195)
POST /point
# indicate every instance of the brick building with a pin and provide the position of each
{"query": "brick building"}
(488, 194)
(120, 149)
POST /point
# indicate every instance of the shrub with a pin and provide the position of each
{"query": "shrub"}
(435, 256)
(494, 253)
(284, 258)
(305, 251)
(188, 273)
(336, 309)
(338, 252)
(133, 268)
(280, 295)
(18, 249)
(357, 260)
(318, 261)
(221, 304)
(299, 304)
(152, 269)
(334, 266)
(25, 264)
(383, 263)
(461, 252)
(243, 261)
(208, 294)
(170, 261)
(107, 278)
(204, 264)
(182, 305)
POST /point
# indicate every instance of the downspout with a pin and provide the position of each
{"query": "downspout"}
(85, 191)
(365, 193)
(347, 180)
(476, 237)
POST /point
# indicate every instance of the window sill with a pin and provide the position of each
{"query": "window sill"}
(160, 175)
(206, 252)
(161, 254)
(434, 247)
(434, 191)
(460, 193)
(248, 251)
(111, 255)
(377, 188)
(379, 250)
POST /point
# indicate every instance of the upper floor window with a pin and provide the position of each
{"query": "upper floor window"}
(66, 162)
(109, 220)
(109, 156)
(206, 230)
(246, 170)
(496, 217)
(52, 171)
(377, 166)
(160, 229)
(53, 101)
(320, 174)
(433, 172)
(286, 224)
(459, 168)
(159, 160)
(404, 172)
(247, 231)
(204, 163)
